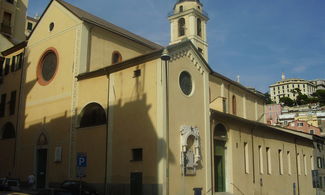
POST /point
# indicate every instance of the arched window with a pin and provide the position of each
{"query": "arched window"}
(116, 57)
(93, 114)
(234, 105)
(8, 131)
(181, 27)
(181, 9)
(199, 27)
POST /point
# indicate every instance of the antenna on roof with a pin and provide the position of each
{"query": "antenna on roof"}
(238, 79)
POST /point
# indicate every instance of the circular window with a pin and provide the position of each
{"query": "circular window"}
(185, 82)
(51, 26)
(47, 66)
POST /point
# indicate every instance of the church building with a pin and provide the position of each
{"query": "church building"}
(131, 117)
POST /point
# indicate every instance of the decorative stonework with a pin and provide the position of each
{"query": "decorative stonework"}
(188, 53)
(190, 154)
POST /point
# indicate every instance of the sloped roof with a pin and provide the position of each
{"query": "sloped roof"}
(90, 18)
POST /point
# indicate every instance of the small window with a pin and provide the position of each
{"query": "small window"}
(311, 131)
(268, 161)
(2, 60)
(13, 63)
(19, 62)
(92, 115)
(3, 105)
(7, 66)
(280, 162)
(51, 26)
(8, 131)
(300, 124)
(234, 105)
(137, 154)
(246, 158)
(12, 103)
(199, 27)
(181, 8)
(200, 50)
(137, 73)
(181, 27)
(311, 162)
(116, 57)
(29, 26)
(319, 162)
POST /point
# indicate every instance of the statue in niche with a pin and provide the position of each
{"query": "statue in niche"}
(190, 150)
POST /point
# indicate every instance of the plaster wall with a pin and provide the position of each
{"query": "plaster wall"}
(103, 43)
(186, 110)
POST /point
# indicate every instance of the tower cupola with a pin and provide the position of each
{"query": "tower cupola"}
(188, 21)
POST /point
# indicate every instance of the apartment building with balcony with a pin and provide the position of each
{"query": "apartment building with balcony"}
(12, 22)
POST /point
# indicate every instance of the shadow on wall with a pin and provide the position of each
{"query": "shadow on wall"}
(47, 145)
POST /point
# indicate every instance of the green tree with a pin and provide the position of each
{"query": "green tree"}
(267, 98)
(302, 99)
(319, 95)
(286, 101)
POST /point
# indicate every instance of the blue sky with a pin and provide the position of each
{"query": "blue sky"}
(256, 39)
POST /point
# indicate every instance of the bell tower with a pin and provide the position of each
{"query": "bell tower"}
(188, 21)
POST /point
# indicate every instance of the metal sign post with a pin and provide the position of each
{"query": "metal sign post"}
(81, 167)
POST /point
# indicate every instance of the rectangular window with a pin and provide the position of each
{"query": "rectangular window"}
(320, 182)
(10, 1)
(29, 26)
(319, 162)
(12, 102)
(137, 154)
(280, 162)
(311, 162)
(260, 152)
(19, 63)
(7, 66)
(2, 60)
(298, 164)
(305, 164)
(300, 124)
(6, 23)
(289, 162)
(3, 105)
(268, 160)
(246, 158)
(13, 63)
(137, 73)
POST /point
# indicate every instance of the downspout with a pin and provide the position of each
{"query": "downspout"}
(296, 153)
(106, 139)
(253, 156)
(165, 57)
(18, 108)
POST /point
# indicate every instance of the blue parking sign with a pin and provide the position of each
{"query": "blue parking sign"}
(81, 159)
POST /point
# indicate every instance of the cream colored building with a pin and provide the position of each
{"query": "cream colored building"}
(12, 22)
(285, 87)
(30, 24)
(148, 119)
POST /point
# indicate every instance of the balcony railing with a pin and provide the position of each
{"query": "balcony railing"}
(5, 28)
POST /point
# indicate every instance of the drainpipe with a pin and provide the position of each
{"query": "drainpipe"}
(165, 57)
(296, 153)
(106, 149)
(18, 108)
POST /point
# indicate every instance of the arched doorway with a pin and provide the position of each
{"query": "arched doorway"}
(41, 161)
(8, 131)
(219, 148)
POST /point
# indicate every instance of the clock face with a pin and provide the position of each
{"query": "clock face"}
(185, 82)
